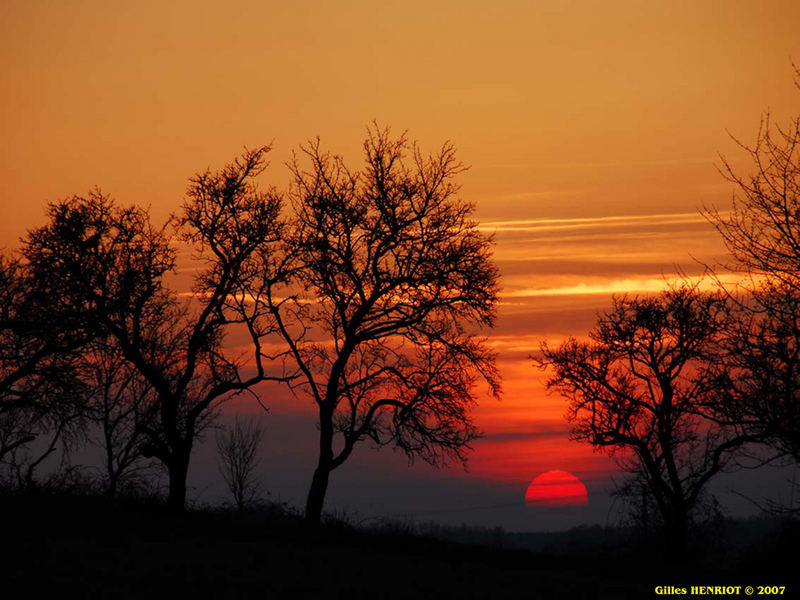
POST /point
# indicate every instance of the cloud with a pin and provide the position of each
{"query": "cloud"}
(619, 286)
(561, 432)
(542, 225)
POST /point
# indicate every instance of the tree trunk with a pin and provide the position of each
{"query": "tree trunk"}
(319, 483)
(111, 491)
(113, 476)
(178, 468)
(316, 495)
(678, 532)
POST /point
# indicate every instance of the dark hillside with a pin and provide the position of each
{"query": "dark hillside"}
(78, 546)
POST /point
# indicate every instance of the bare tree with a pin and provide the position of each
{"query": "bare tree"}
(40, 393)
(762, 371)
(762, 234)
(123, 405)
(391, 281)
(646, 389)
(115, 262)
(762, 230)
(52, 429)
(238, 447)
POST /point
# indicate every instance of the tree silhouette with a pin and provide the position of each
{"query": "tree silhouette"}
(762, 234)
(763, 370)
(237, 448)
(114, 263)
(762, 230)
(391, 280)
(123, 405)
(39, 391)
(646, 389)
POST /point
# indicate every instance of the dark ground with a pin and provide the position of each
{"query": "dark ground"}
(78, 547)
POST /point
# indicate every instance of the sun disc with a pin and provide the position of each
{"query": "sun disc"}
(556, 488)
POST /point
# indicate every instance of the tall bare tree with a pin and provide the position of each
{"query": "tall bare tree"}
(646, 389)
(763, 369)
(762, 230)
(115, 262)
(391, 281)
(762, 234)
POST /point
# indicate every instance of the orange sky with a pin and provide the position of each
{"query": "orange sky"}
(591, 129)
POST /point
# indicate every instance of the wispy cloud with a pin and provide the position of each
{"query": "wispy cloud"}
(595, 164)
(542, 225)
(618, 286)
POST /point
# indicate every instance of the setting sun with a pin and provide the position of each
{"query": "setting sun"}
(556, 488)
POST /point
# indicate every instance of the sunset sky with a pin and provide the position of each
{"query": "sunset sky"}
(591, 129)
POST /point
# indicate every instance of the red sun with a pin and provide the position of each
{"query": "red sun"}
(556, 488)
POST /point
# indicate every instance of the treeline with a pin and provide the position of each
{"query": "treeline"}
(363, 290)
